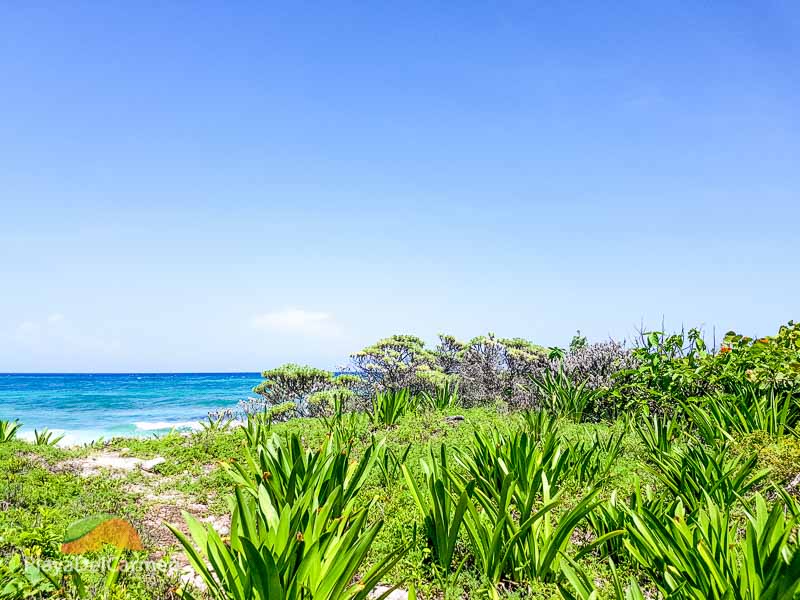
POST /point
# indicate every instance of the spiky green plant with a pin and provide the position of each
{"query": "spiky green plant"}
(704, 558)
(518, 545)
(45, 437)
(442, 513)
(389, 406)
(591, 460)
(301, 550)
(389, 462)
(494, 532)
(749, 410)
(540, 423)
(287, 470)
(613, 515)
(543, 546)
(8, 430)
(564, 397)
(493, 456)
(216, 422)
(658, 433)
(445, 396)
(578, 585)
(697, 471)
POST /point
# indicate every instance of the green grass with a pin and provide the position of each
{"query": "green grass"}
(40, 497)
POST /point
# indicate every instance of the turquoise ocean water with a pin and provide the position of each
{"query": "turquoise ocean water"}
(86, 407)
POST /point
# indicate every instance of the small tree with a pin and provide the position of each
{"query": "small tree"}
(481, 370)
(292, 383)
(393, 362)
(447, 353)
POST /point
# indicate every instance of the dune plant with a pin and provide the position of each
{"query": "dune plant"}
(392, 363)
(348, 428)
(331, 403)
(540, 423)
(389, 462)
(514, 479)
(518, 545)
(303, 550)
(658, 433)
(292, 383)
(8, 430)
(389, 406)
(564, 397)
(343, 425)
(699, 471)
(704, 558)
(543, 546)
(494, 533)
(591, 460)
(445, 396)
(728, 415)
(286, 470)
(256, 428)
(613, 515)
(217, 422)
(579, 586)
(45, 437)
(442, 511)
(493, 456)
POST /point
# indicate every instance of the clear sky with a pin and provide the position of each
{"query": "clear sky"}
(200, 186)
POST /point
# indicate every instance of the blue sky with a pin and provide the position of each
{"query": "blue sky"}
(228, 186)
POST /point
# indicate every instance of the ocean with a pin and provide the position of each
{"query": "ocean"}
(86, 407)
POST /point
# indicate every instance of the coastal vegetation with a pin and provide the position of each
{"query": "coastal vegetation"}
(490, 468)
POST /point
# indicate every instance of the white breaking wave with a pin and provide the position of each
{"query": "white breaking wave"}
(70, 438)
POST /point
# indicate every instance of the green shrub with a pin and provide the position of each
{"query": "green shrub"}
(390, 405)
(8, 430)
(697, 472)
(444, 397)
(303, 549)
(564, 397)
(45, 437)
(442, 512)
(704, 558)
(392, 363)
(285, 470)
(724, 416)
(681, 366)
(292, 383)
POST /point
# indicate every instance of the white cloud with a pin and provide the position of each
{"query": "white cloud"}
(298, 321)
(55, 318)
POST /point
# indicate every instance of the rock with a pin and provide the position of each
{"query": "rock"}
(150, 465)
(455, 419)
(189, 577)
(395, 595)
(221, 524)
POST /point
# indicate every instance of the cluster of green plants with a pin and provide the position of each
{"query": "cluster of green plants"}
(531, 508)
(674, 477)
(682, 366)
(299, 525)
(38, 502)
